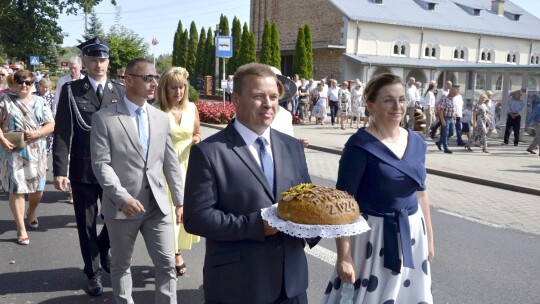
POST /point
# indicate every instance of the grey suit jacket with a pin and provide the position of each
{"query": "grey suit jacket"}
(225, 192)
(119, 164)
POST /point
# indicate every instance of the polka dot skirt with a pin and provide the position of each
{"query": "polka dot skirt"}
(375, 284)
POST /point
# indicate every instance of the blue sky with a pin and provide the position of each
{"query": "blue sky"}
(160, 17)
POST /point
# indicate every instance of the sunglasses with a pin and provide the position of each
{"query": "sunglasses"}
(15, 69)
(147, 78)
(27, 82)
(3, 75)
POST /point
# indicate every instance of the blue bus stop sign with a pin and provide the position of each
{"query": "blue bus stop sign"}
(224, 46)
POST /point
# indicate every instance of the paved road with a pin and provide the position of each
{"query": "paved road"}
(488, 248)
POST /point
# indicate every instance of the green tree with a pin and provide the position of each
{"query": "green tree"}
(95, 28)
(201, 58)
(232, 64)
(27, 26)
(209, 50)
(309, 50)
(193, 42)
(276, 52)
(299, 58)
(176, 44)
(163, 62)
(183, 51)
(247, 52)
(124, 45)
(266, 55)
(51, 57)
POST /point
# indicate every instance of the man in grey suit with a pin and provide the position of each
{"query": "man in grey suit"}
(132, 157)
(231, 176)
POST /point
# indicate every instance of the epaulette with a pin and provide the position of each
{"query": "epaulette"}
(117, 82)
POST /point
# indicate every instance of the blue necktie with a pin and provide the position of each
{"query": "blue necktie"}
(143, 130)
(266, 163)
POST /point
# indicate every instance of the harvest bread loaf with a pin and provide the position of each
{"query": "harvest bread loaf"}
(317, 205)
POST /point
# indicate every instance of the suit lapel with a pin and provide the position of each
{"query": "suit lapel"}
(242, 150)
(153, 131)
(127, 123)
(109, 95)
(279, 150)
(90, 94)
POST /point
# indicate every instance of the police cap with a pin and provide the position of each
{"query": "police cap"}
(94, 47)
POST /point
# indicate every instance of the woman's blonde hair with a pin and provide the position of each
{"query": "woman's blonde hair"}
(174, 75)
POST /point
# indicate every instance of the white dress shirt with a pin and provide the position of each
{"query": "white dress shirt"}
(250, 137)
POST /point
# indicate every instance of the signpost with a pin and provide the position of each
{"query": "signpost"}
(224, 49)
(34, 60)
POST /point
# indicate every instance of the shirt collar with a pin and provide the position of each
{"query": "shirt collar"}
(132, 107)
(249, 136)
(94, 83)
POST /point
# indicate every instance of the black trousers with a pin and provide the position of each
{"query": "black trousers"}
(334, 107)
(512, 123)
(85, 202)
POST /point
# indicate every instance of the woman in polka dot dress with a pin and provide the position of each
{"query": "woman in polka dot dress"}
(383, 167)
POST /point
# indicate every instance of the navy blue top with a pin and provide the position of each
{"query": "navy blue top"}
(385, 186)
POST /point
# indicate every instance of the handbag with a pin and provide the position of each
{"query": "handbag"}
(16, 138)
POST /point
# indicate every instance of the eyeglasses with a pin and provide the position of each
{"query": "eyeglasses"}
(15, 69)
(3, 75)
(147, 78)
(390, 102)
(121, 76)
(27, 82)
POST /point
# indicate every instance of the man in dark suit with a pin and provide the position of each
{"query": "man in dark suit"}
(233, 175)
(79, 100)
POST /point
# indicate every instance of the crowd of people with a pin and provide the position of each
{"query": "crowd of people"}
(130, 150)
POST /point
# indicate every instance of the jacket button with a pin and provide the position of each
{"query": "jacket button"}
(146, 187)
(278, 246)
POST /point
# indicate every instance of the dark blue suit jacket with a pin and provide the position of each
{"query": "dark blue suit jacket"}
(224, 194)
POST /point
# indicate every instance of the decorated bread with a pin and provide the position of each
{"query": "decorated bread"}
(317, 205)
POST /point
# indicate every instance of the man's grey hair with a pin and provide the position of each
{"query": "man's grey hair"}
(75, 60)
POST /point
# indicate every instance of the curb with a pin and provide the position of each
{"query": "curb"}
(434, 171)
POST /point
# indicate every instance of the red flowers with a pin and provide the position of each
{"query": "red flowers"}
(214, 113)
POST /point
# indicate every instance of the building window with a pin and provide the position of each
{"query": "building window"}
(402, 50)
(489, 57)
(483, 57)
(456, 54)
(480, 82)
(462, 54)
(512, 57)
(498, 84)
(433, 52)
(426, 53)
(396, 49)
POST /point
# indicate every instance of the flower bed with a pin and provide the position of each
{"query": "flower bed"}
(214, 113)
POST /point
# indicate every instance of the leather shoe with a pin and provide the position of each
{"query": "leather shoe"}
(438, 144)
(105, 259)
(95, 288)
(530, 151)
(448, 151)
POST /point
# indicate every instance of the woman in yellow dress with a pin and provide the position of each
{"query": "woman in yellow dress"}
(172, 98)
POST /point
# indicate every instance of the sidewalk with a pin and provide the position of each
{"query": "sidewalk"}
(505, 167)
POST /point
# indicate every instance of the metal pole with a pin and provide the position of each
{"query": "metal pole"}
(216, 69)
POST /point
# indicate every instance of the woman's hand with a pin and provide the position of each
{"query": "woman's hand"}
(345, 269)
(431, 251)
(7, 145)
(196, 139)
(31, 135)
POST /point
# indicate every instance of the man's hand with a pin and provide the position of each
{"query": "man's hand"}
(304, 141)
(132, 207)
(179, 210)
(268, 230)
(60, 183)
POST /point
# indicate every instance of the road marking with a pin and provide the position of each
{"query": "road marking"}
(322, 254)
(472, 219)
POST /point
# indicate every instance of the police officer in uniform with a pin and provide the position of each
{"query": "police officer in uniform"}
(79, 100)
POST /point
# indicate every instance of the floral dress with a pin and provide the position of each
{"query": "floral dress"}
(344, 103)
(49, 102)
(24, 171)
(356, 103)
(479, 136)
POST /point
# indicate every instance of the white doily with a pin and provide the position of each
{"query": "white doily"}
(309, 231)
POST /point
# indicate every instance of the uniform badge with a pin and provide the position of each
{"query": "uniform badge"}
(86, 87)
(114, 101)
(109, 85)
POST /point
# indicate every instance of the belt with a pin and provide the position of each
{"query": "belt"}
(394, 223)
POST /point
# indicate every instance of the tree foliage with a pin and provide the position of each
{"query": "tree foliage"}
(266, 55)
(163, 62)
(232, 64)
(247, 51)
(300, 55)
(176, 44)
(36, 24)
(223, 31)
(201, 58)
(183, 50)
(124, 45)
(95, 28)
(309, 50)
(193, 43)
(209, 50)
(276, 52)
